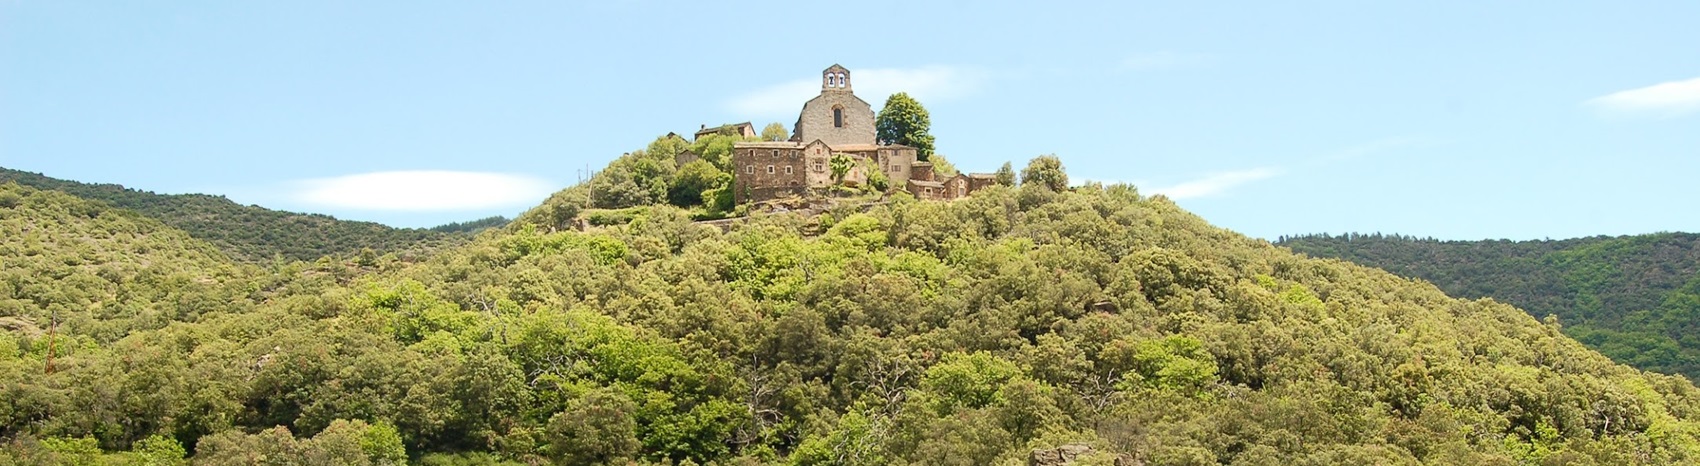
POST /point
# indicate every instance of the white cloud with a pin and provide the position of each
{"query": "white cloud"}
(928, 84)
(1376, 147)
(1215, 184)
(1667, 99)
(423, 190)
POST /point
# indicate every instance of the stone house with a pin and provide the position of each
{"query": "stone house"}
(743, 130)
(684, 157)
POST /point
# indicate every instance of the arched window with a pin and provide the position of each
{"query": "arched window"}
(843, 81)
(838, 117)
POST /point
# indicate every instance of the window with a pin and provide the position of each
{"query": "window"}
(959, 191)
(818, 166)
(929, 191)
(750, 169)
(787, 169)
(770, 169)
(837, 117)
(776, 153)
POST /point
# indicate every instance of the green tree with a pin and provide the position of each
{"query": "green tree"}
(775, 132)
(1045, 170)
(840, 165)
(597, 428)
(692, 181)
(1005, 175)
(904, 121)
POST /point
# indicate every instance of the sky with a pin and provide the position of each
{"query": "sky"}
(1450, 119)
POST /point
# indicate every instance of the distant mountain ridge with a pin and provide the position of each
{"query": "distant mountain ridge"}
(253, 233)
(1634, 298)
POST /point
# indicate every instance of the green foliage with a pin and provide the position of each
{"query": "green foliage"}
(904, 121)
(597, 428)
(691, 186)
(1634, 298)
(472, 226)
(247, 233)
(716, 149)
(840, 165)
(1047, 171)
(969, 332)
(775, 132)
(942, 169)
(1005, 175)
(967, 380)
(877, 180)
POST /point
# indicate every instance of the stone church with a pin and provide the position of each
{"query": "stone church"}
(834, 122)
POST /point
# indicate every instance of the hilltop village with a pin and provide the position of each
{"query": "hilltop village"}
(834, 125)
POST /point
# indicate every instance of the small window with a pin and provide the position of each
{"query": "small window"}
(837, 117)
(929, 191)
(787, 169)
(776, 153)
(750, 169)
(770, 169)
(818, 166)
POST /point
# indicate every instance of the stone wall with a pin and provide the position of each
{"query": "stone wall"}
(897, 163)
(767, 171)
(816, 121)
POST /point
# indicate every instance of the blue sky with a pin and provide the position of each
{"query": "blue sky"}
(1460, 120)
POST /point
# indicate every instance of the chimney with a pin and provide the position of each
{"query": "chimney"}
(921, 171)
(703, 126)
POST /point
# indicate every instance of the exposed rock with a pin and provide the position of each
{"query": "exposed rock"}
(1059, 456)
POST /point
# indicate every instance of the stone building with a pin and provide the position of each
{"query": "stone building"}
(743, 130)
(836, 122)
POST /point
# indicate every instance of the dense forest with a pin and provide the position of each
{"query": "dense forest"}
(257, 234)
(988, 330)
(1634, 298)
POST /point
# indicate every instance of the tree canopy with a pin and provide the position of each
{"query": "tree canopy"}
(979, 331)
(1633, 298)
(1046, 171)
(253, 233)
(904, 121)
(775, 132)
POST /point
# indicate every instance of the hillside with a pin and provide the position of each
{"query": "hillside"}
(970, 332)
(1634, 298)
(253, 233)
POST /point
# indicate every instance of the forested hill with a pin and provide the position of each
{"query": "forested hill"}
(980, 331)
(250, 233)
(1634, 298)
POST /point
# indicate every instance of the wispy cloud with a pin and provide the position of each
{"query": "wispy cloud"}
(422, 191)
(1216, 184)
(1376, 147)
(928, 84)
(1162, 60)
(1667, 99)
